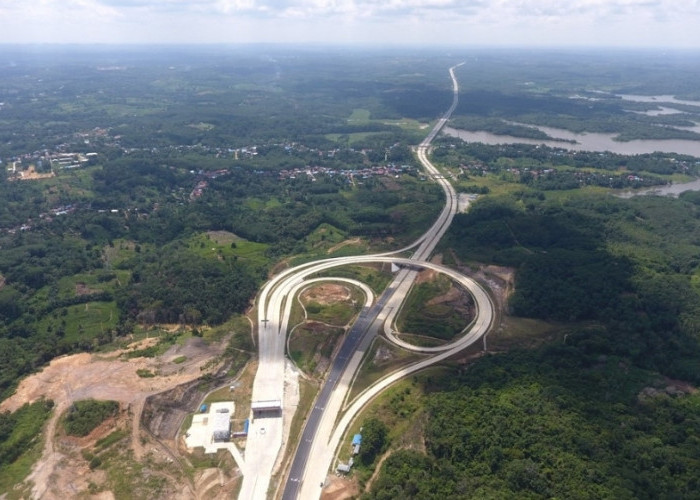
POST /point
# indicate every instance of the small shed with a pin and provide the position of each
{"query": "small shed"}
(221, 426)
(356, 442)
(266, 408)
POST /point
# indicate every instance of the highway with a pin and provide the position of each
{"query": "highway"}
(320, 437)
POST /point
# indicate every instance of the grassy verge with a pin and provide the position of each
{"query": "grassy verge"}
(421, 340)
(442, 319)
(376, 276)
(401, 409)
(382, 359)
(312, 342)
(515, 332)
(337, 313)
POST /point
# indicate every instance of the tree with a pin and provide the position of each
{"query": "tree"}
(374, 440)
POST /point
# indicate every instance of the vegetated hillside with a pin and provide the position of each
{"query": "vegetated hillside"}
(627, 265)
(140, 254)
(148, 155)
(553, 423)
(600, 413)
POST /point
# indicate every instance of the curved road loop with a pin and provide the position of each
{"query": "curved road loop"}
(321, 436)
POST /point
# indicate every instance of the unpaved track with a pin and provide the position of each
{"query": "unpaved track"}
(80, 376)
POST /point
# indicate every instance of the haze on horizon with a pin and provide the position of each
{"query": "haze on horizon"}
(536, 23)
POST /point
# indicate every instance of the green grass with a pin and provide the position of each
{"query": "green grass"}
(353, 137)
(220, 395)
(377, 277)
(308, 342)
(360, 248)
(401, 408)
(260, 204)
(221, 244)
(360, 115)
(237, 325)
(144, 373)
(110, 439)
(127, 478)
(89, 283)
(120, 251)
(81, 322)
(86, 415)
(21, 446)
(373, 367)
(515, 332)
(421, 340)
(165, 341)
(337, 313)
(420, 128)
(326, 236)
(443, 321)
(180, 359)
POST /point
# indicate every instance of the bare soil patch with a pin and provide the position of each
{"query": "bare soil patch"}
(390, 184)
(66, 379)
(326, 293)
(223, 237)
(454, 295)
(354, 241)
(339, 488)
(83, 289)
(425, 276)
(501, 281)
(32, 174)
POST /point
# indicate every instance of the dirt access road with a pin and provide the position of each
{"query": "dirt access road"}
(109, 377)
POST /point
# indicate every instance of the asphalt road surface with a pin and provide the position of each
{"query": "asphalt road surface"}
(274, 306)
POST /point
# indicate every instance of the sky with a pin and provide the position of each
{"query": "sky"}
(509, 23)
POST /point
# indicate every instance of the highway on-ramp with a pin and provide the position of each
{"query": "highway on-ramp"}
(320, 437)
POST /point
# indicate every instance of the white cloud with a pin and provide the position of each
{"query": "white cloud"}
(611, 22)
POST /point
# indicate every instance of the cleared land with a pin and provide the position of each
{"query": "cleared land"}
(65, 464)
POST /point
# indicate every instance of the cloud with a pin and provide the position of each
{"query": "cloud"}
(413, 21)
(458, 9)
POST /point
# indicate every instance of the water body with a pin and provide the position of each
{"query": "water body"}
(666, 99)
(584, 142)
(662, 110)
(659, 100)
(669, 190)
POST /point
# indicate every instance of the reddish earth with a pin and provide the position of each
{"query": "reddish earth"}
(339, 488)
(326, 293)
(61, 467)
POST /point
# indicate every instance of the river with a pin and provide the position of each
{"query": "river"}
(584, 142)
(669, 190)
(591, 141)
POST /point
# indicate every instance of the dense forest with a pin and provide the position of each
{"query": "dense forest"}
(170, 185)
(609, 410)
(627, 265)
(561, 421)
